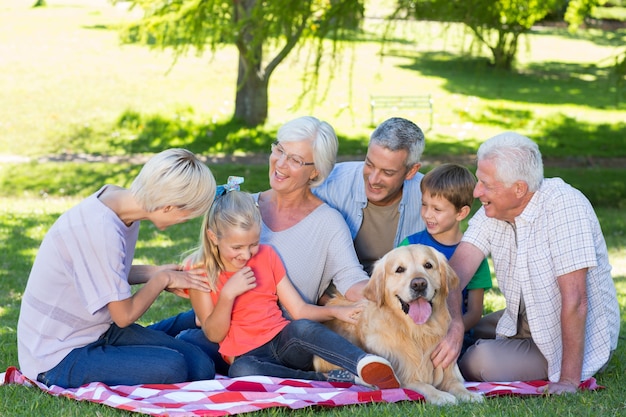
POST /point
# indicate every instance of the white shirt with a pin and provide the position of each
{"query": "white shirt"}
(82, 265)
(316, 251)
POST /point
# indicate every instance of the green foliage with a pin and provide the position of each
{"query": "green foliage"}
(259, 29)
(498, 24)
(578, 10)
(609, 13)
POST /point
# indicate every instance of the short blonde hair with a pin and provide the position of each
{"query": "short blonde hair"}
(175, 177)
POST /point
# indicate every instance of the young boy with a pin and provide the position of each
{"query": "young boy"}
(447, 197)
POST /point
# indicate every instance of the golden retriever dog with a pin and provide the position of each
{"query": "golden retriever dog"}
(404, 318)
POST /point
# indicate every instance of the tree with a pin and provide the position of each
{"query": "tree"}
(498, 24)
(264, 32)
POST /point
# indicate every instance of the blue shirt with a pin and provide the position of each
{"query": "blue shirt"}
(344, 190)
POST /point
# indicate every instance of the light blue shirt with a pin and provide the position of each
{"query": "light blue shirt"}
(344, 190)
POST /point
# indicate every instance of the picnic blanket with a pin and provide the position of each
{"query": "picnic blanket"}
(225, 396)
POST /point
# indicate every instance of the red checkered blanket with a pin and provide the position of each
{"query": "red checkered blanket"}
(228, 396)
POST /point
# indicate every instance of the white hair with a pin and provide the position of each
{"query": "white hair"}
(515, 158)
(323, 140)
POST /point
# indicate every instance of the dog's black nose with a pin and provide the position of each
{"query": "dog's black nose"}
(418, 285)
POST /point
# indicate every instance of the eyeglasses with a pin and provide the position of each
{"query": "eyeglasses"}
(294, 161)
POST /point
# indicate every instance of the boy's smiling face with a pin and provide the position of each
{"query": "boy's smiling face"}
(438, 214)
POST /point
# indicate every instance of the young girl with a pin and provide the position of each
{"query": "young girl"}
(242, 313)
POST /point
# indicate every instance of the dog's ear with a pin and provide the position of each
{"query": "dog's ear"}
(449, 278)
(375, 288)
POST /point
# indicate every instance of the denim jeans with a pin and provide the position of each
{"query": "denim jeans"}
(183, 326)
(197, 337)
(290, 353)
(130, 356)
(176, 324)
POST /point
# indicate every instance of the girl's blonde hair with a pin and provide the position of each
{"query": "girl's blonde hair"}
(233, 209)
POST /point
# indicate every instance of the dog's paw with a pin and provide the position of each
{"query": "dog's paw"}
(469, 396)
(440, 398)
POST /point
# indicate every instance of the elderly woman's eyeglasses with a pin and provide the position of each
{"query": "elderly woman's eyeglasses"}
(294, 161)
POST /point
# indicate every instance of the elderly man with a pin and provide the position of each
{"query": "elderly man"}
(562, 319)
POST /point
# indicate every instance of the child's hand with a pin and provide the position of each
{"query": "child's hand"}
(241, 282)
(349, 314)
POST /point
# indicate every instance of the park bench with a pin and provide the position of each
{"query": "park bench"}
(418, 103)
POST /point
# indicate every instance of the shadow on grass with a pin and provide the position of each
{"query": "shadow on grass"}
(67, 179)
(616, 38)
(559, 136)
(136, 133)
(551, 83)
(562, 135)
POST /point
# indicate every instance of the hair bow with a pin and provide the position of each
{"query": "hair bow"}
(232, 184)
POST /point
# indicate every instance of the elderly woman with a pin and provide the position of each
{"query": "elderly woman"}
(312, 238)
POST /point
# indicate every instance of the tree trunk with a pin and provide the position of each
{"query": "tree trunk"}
(505, 51)
(251, 100)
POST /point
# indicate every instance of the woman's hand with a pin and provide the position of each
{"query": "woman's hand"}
(181, 281)
(349, 314)
(241, 282)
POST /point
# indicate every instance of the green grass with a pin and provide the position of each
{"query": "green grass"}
(68, 86)
(24, 222)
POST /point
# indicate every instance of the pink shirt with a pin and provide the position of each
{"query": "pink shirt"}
(256, 317)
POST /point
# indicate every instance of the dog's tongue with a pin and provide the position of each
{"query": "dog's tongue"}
(420, 310)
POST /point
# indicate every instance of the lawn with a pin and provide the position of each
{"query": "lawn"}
(69, 87)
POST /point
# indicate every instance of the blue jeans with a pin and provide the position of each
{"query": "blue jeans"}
(290, 353)
(197, 337)
(130, 356)
(176, 324)
(183, 326)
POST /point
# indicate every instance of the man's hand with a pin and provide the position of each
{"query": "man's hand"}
(559, 388)
(447, 351)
